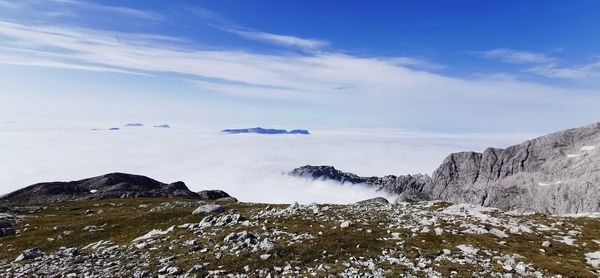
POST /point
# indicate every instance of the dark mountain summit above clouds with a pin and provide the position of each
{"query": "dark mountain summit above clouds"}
(260, 130)
(556, 173)
(113, 185)
(134, 124)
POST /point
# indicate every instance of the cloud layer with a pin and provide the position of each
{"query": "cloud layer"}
(247, 166)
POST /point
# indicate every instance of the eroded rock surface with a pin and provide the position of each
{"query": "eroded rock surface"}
(556, 173)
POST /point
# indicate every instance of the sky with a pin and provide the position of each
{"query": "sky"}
(451, 66)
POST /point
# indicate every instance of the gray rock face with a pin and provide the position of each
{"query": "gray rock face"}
(114, 185)
(556, 173)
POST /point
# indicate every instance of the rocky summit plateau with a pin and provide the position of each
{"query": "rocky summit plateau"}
(556, 174)
(182, 237)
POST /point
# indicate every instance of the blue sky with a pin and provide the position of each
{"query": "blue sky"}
(431, 65)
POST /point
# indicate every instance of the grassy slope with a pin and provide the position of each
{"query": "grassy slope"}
(122, 220)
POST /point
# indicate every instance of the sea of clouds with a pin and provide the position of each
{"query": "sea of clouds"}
(250, 167)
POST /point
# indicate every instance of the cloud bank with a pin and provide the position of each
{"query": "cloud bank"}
(248, 166)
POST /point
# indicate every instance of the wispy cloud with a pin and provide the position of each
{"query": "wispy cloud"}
(588, 72)
(285, 40)
(517, 56)
(77, 8)
(547, 66)
(216, 20)
(298, 75)
(129, 12)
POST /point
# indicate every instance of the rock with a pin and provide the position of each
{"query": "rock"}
(6, 228)
(68, 252)
(593, 258)
(265, 257)
(438, 231)
(88, 212)
(467, 249)
(227, 199)
(209, 208)
(196, 268)
(30, 254)
(113, 185)
(173, 270)
(546, 244)
(241, 237)
(553, 174)
(90, 228)
(346, 224)
(521, 268)
(374, 201)
(498, 233)
(212, 194)
(266, 245)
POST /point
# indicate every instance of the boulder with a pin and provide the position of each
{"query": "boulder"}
(6, 228)
(30, 254)
(374, 201)
(209, 208)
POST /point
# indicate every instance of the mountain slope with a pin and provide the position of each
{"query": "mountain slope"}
(556, 173)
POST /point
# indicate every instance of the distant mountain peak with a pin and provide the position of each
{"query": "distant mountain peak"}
(260, 130)
(134, 124)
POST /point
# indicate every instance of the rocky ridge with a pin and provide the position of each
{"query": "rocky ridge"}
(556, 173)
(113, 185)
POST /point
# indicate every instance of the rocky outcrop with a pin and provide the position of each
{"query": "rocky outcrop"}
(113, 185)
(374, 201)
(409, 185)
(212, 194)
(556, 173)
(260, 130)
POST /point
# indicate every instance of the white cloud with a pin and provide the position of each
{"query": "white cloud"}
(250, 167)
(219, 22)
(285, 40)
(543, 65)
(76, 8)
(384, 90)
(517, 56)
(590, 71)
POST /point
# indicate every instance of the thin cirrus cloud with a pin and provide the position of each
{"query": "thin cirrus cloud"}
(544, 65)
(307, 44)
(311, 77)
(76, 8)
(219, 22)
(517, 56)
(391, 90)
